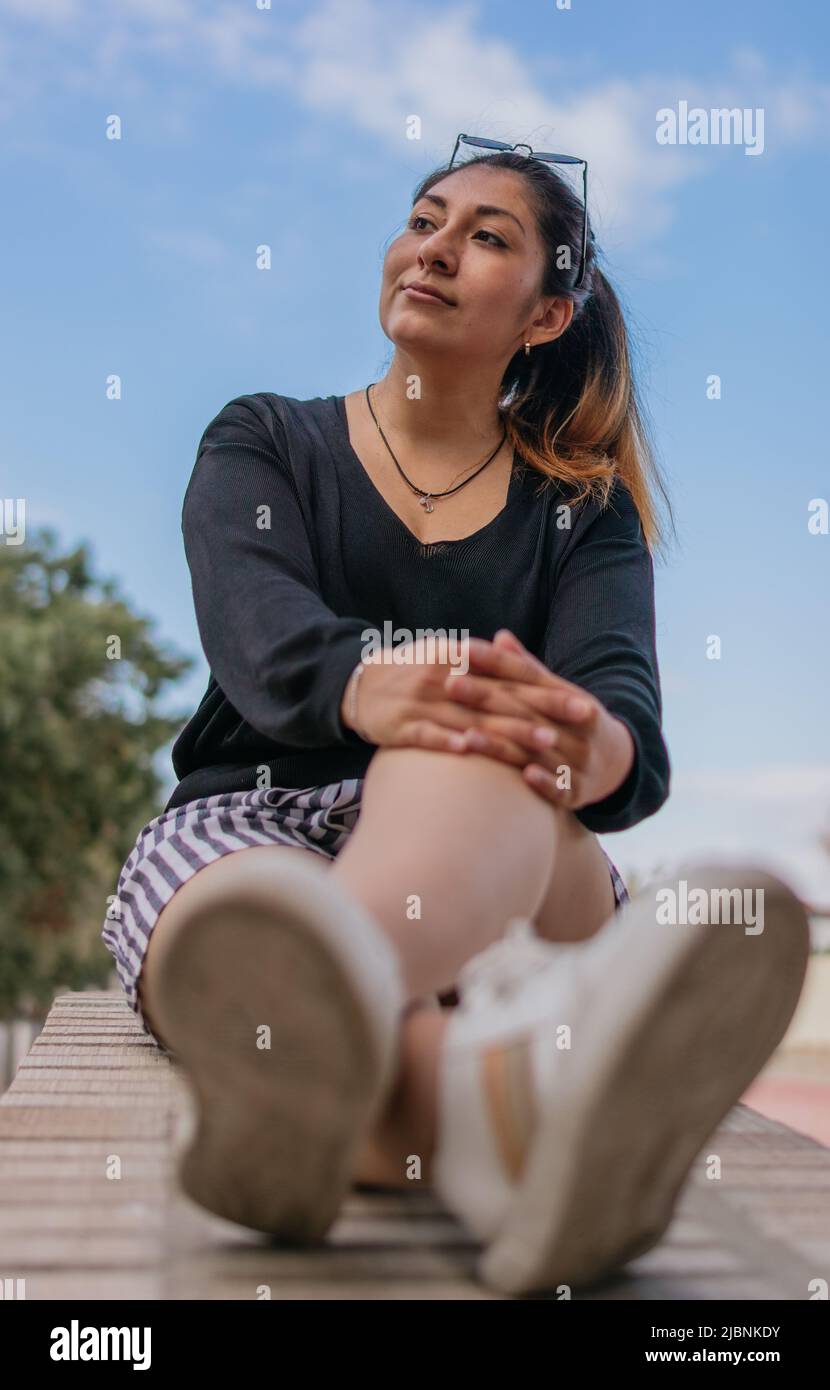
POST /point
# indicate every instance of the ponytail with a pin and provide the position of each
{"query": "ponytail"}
(573, 412)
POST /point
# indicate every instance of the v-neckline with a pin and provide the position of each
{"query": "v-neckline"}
(372, 489)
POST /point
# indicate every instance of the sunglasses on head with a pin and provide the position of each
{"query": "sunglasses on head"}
(482, 143)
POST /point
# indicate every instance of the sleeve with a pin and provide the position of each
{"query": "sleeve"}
(278, 652)
(601, 635)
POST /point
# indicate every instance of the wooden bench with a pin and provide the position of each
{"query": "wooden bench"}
(89, 1206)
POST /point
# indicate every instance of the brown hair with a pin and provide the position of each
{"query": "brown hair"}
(571, 407)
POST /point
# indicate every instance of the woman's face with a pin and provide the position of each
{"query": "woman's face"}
(488, 264)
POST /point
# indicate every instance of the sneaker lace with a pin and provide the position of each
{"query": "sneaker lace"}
(500, 970)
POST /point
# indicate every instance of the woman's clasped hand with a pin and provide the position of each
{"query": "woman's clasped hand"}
(508, 706)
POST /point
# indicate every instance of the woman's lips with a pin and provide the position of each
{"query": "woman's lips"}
(425, 298)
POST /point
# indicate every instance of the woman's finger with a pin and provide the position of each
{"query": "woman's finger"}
(423, 733)
(510, 665)
(488, 693)
(563, 706)
(552, 747)
(487, 659)
(462, 738)
(515, 697)
(496, 745)
(447, 714)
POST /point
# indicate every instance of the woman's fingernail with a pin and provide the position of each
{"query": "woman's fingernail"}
(457, 742)
(475, 739)
(544, 737)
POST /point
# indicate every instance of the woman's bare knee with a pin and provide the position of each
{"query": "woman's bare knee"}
(472, 774)
(446, 850)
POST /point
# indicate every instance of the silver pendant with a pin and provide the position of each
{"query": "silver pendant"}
(426, 503)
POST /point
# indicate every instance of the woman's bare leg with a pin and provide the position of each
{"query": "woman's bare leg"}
(465, 843)
(580, 896)
(469, 842)
(408, 1119)
(446, 849)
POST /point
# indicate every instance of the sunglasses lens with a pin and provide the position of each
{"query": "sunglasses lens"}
(558, 158)
(485, 144)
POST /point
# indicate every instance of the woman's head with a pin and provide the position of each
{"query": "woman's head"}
(490, 264)
(570, 407)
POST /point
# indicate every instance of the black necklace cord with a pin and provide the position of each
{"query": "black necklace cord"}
(426, 497)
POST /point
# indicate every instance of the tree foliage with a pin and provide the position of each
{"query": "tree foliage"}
(80, 681)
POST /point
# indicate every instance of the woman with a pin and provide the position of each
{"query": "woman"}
(450, 820)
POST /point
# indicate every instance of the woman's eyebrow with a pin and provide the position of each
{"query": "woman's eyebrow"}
(483, 209)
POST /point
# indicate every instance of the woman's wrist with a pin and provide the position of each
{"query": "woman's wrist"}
(349, 704)
(624, 741)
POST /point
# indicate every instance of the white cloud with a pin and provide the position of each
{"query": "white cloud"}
(783, 785)
(368, 64)
(773, 815)
(374, 63)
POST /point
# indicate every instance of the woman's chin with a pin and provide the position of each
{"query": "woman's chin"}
(412, 335)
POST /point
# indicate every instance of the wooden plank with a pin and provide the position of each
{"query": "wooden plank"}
(82, 1055)
(322, 1290)
(82, 1190)
(60, 1150)
(58, 1218)
(47, 1098)
(114, 1124)
(111, 1070)
(26, 1250)
(94, 1084)
(71, 1285)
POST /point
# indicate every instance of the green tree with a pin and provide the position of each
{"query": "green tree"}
(80, 679)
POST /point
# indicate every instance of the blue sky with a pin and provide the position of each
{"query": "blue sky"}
(288, 126)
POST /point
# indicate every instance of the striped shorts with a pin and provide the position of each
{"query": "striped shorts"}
(172, 847)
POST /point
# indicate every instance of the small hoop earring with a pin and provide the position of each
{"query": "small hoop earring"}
(527, 349)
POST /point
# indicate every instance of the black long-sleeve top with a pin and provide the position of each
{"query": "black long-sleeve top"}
(294, 554)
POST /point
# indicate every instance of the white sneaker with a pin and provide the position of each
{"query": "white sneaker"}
(281, 998)
(578, 1082)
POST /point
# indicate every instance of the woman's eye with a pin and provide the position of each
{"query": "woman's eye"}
(497, 239)
(419, 217)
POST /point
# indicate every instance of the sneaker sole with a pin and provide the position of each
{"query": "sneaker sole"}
(275, 1122)
(703, 1009)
